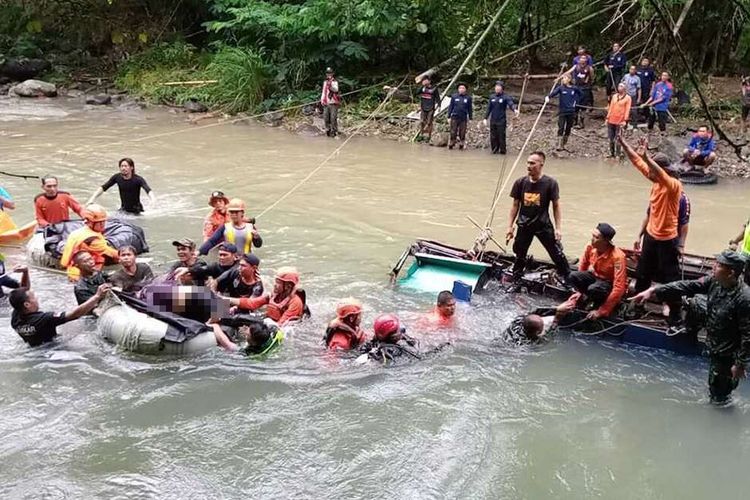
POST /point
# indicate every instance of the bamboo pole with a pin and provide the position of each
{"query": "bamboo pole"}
(523, 91)
(189, 82)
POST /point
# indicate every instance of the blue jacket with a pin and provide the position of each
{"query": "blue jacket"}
(497, 105)
(647, 75)
(705, 146)
(663, 91)
(569, 97)
(617, 61)
(461, 107)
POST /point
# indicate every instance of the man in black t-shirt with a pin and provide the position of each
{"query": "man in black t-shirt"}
(129, 184)
(532, 196)
(91, 278)
(243, 280)
(227, 256)
(36, 327)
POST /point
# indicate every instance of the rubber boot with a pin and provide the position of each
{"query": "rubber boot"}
(611, 149)
(559, 146)
(564, 142)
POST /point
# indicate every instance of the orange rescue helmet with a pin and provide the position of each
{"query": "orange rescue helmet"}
(348, 307)
(95, 213)
(236, 205)
(288, 275)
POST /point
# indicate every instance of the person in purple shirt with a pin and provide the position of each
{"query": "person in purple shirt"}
(701, 150)
(583, 54)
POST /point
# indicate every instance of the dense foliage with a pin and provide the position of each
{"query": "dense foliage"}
(276, 49)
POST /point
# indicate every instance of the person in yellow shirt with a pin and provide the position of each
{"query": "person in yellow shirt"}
(89, 238)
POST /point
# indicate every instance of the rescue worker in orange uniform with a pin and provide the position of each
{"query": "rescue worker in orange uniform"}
(89, 238)
(218, 216)
(285, 304)
(602, 275)
(344, 331)
(237, 231)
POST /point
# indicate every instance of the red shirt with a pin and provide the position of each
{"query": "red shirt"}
(55, 210)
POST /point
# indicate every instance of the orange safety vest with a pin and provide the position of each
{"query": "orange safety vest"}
(230, 236)
(85, 239)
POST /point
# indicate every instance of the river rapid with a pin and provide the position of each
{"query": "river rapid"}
(578, 418)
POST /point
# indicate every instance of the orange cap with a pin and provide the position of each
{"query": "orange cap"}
(288, 274)
(348, 307)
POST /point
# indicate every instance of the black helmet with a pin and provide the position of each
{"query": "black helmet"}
(329, 70)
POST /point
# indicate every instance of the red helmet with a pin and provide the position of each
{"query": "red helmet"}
(386, 325)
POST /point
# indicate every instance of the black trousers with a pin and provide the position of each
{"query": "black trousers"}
(458, 130)
(565, 124)
(661, 116)
(546, 236)
(659, 261)
(720, 381)
(595, 289)
(614, 80)
(331, 119)
(497, 136)
(425, 122)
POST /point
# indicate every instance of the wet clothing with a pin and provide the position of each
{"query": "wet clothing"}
(290, 309)
(86, 287)
(130, 191)
(606, 273)
(133, 284)
(429, 98)
(273, 344)
(647, 76)
(727, 325)
(202, 271)
(56, 209)
(214, 221)
(533, 221)
(340, 336)
(515, 334)
(387, 353)
(569, 97)
(243, 238)
(230, 284)
(461, 107)
(705, 146)
(664, 202)
(38, 327)
(86, 239)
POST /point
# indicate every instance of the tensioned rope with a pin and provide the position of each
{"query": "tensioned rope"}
(334, 152)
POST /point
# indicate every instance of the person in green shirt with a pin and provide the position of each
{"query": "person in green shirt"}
(257, 338)
(727, 320)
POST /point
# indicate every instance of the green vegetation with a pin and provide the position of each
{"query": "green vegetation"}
(271, 53)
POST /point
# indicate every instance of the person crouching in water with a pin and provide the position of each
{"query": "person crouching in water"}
(257, 338)
(389, 341)
(534, 328)
(287, 303)
(444, 314)
(344, 332)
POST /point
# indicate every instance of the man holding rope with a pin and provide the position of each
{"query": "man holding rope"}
(532, 196)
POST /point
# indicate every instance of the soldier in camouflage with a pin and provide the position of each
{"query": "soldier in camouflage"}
(727, 320)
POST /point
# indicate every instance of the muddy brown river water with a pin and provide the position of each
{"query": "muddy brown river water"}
(575, 419)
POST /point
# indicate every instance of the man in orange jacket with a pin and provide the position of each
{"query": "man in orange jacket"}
(602, 275)
(344, 332)
(618, 115)
(218, 216)
(89, 238)
(287, 303)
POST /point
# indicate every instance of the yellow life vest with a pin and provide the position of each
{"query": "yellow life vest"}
(746, 242)
(230, 236)
(84, 239)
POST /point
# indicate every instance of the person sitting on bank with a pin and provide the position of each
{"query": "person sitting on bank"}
(390, 341)
(91, 278)
(429, 104)
(132, 276)
(499, 102)
(344, 332)
(602, 276)
(36, 327)
(242, 280)
(460, 112)
(536, 329)
(218, 216)
(701, 151)
(570, 96)
(238, 231)
(129, 184)
(258, 339)
(9, 282)
(727, 322)
(54, 206)
(227, 259)
(285, 304)
(89, 238)
(444, 313)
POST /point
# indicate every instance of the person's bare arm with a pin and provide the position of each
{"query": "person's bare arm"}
(94, 196)
(557, 213)
(637, 243)
(221, 338)
(684, 229)
(25, 279)
(737, 239)
(89, 305)
(512, 219)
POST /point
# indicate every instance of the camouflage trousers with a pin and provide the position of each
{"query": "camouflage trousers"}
(720, 381)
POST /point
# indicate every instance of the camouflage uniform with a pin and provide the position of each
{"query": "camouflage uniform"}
(727, 325)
